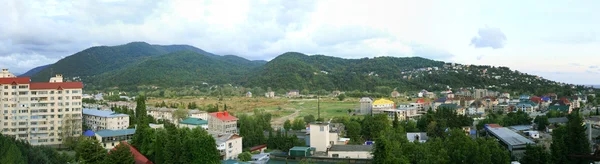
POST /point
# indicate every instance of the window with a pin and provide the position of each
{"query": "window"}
(335, 155)
(5, 87)
(67, 91)
(322, 128)
(230, 145)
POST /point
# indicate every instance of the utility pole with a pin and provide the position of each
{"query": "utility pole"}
(318, 104)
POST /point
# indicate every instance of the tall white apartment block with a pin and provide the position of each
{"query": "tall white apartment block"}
(41, 112)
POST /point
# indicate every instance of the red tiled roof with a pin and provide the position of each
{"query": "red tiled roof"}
(258, 147)
(536, 99)
(138, 157)
(225, 116)
(17, 80)
(63, 85)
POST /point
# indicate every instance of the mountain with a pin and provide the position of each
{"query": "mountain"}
(132, 66)
(33, 71)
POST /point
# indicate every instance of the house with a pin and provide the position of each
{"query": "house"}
(505, 94)
(476, 107)
(104, 119)
(558, 120)
(194, 123)
(259, 148)
(323, 135)
(222, 122)
(350, 151)
(161, 113)
(336, 93)
(395, 94)
(248, 94)
(552, 96)
(198, 114)
(293, 93)
(270, 94)
(366, 105)
(421, 105)
(228, 144)
(514, 142)
(111, 138)
(418, 136)
(382, 104)
(404, 112)
(562, 105)
(527, 108)
(137, 156)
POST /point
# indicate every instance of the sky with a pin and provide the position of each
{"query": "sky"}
(556, 39)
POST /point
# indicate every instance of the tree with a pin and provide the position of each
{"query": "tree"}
(309, 118)
(395, 123)
(353, 132)
(558, 147)
(11, 153)
(121, 154)
(89, 151)
(535, 155)
(341, 97)
(287, 125)
(541, 122)
(70, 126)
(576, 140)
(298, 124)
(245, 156)
(180, 114)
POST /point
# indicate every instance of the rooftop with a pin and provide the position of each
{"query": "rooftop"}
(137, 156)
(300, 148)
(223, 137)
(113, 133)
(382, 101)
(351, 148)
(224, 116)
(558, 120)
(509, 137)
(59, 86)
(102, 113)
(194, 121)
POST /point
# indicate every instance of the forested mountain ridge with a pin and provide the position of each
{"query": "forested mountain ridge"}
(137, 65)
(33, 71)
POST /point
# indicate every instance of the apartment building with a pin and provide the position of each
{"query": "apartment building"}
(104, 119)
(228, 144)
(39, 112)
(222, 122)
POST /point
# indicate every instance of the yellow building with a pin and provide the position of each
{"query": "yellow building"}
(382, 105)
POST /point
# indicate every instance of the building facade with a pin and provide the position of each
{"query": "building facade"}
(366, 105)
(41, 113)
(382, 104)
(111, 138)
(228, 144)
(222, 122)
(103, 119)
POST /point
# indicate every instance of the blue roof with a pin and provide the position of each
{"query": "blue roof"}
(113, 133)
(88, 133)
(102, 113)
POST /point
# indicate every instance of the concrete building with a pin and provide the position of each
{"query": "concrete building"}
(39, 112)
(161, 113)
(293, 93)
(104, 119)
(198, 114)
(111, 138)
(222, 122)
(418, 136)
(270, 94)
(382, 104)
(514, 142)
(323, 135)
(228, 144)
(366, 105)
(193, 123)
(404, 112)
(350, 151)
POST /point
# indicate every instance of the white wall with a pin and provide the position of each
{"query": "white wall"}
(351, 154)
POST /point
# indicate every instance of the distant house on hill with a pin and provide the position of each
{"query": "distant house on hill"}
(395, 94)
(270, 94)
(248, 94)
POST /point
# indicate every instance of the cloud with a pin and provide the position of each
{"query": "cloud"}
(575, 64)
(489, 37)
(479, 57)
(593, 67)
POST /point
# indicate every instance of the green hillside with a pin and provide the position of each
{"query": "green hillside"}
(138, 65)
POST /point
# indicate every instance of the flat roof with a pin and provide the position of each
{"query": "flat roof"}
(509, 137)
(102, 113)
(113, 133)
(351, 148)
(558, 120)
(194, 121)
(301, 148)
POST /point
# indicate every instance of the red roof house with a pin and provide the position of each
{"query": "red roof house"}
(15, 81)
(138, 157)
(224, 116)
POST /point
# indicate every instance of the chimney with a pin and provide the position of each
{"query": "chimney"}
(225, 114)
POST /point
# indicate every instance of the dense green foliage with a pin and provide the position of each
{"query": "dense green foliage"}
(120, 155)
(570, 140)
(186, 70)
(516, 118)
(245, 156)
(283, 141)
(436, 123)
(541, 122)
(90, 151)
(536, 155)
(19, 152)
